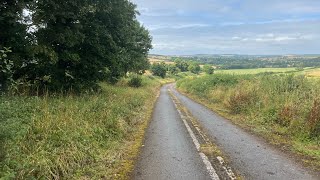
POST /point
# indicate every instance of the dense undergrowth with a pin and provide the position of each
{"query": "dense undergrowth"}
(283, 108)
(83, 136)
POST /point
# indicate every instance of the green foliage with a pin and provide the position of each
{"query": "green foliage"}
(202, 86)
(13, 31)
(194, 68)
(76, 43)
(159, 69)
(182, 65)
(6, 70)
(173, 69)
(253, 61)
(208, 69)
(135, 80)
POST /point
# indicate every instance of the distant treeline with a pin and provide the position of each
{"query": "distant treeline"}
(247, 62)
(69, 44)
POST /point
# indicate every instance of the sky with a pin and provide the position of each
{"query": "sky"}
(187, 27)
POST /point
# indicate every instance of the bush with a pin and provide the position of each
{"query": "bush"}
(194, 68)
(208, 69)
(135, 81)
(159, 69)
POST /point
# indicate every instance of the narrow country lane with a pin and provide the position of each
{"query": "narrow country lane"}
(168, 151)
(252, 157)
(172, 151)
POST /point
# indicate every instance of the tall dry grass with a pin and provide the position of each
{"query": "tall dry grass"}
(72, 136)
(283, 108)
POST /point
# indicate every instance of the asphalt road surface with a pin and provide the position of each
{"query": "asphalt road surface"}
(170, 153)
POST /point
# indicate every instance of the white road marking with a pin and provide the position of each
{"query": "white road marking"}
(210, 169)
(227, 169)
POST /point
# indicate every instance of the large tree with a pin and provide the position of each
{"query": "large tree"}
(14, 35)
(182, 65)
(80, 42)
(74, 43)
(194, 67)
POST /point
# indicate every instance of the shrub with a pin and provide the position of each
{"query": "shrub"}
(194, 68)
(135, 81)
(159, 69)
(208, 69)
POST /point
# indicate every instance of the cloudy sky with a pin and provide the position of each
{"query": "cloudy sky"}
(184, 27)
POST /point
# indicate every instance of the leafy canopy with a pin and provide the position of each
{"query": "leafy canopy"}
(75, 43)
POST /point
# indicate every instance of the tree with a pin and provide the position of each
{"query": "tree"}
(172, 69)
(182, 65)
(13, 35)
(208, 69)
(194, 68)
(75, 43)
(81, 42)
(159, 69)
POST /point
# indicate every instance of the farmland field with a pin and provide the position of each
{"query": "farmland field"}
(307, 72)
(255, 71)
(312, 72)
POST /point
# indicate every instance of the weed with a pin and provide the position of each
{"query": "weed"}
(286, 115)
(135, 81)
(314, 119)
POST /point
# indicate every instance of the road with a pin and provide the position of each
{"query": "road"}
(170, 148)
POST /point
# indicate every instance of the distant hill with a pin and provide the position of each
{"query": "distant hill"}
(235, 61)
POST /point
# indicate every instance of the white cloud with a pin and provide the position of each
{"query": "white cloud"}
(177, 26)
(232, 26)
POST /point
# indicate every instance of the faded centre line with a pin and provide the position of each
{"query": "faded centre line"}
(211, 170)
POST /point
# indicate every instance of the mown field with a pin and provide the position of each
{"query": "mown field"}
(87, 136)
(269, 70)
(314, 73)
(256, 71)
(283, 108)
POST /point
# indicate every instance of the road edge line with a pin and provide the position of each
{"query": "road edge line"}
(210, 169)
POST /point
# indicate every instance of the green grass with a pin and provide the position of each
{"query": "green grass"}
(285, 109)
(91, 136)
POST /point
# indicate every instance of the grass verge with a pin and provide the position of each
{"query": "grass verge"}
(92, 136)
(284, 109)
